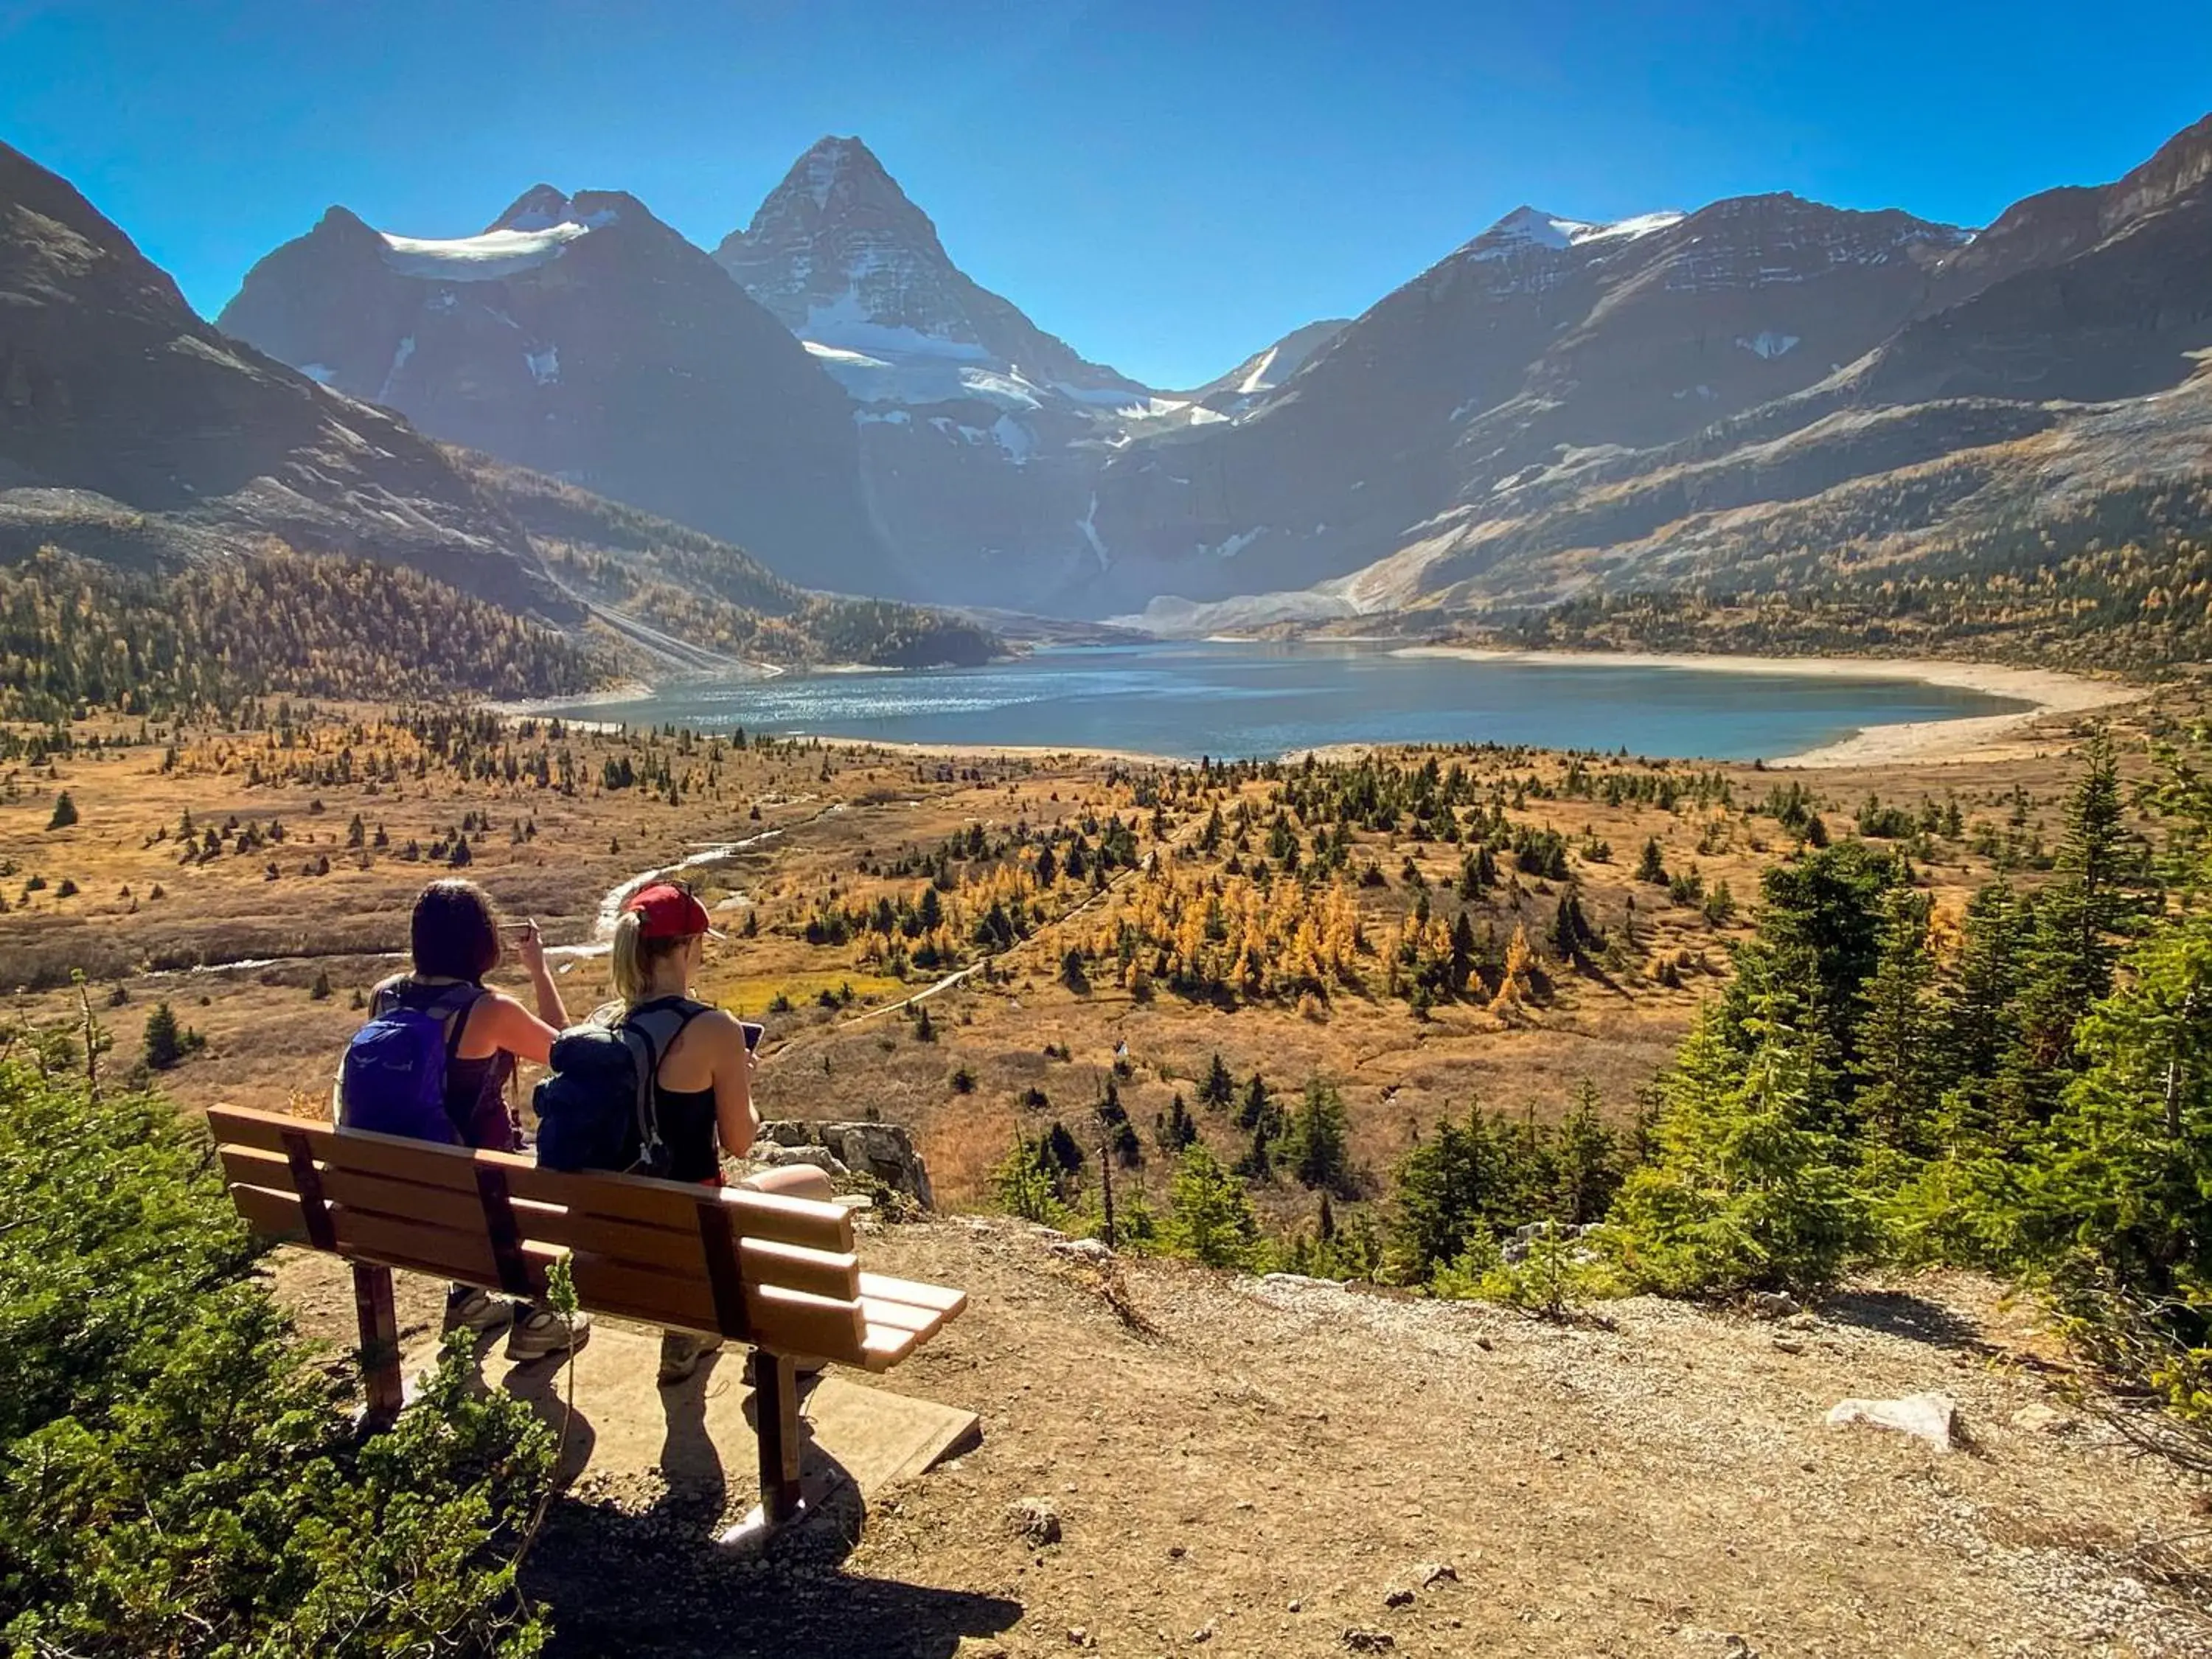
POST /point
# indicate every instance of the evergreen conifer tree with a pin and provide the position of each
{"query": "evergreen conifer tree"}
(1899, 1033)
(1746, 1193)
(1210, 1218)
(1587, 1154)
(1316, 1147)
(165, 1039)
(1218, 1088)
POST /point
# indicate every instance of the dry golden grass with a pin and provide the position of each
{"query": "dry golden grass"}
(821, 814)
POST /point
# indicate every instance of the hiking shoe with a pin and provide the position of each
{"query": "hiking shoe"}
(468, 1309)
(681, 1352)
(540, 1331)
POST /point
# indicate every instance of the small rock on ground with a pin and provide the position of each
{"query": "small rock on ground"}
(1035, 1519)
(1929, 1416)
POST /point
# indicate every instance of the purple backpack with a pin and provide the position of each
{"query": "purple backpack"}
(392, 1080)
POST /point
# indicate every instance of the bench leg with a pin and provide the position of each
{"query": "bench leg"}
(379, 1342)
(775, 1426)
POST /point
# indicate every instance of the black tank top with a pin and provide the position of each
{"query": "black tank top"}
(689, 1126)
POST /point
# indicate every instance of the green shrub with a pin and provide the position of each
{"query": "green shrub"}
(176, 1475)
(1745, 1193)
(1211, 1218)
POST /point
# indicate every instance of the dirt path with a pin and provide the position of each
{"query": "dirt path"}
(1259, 1477)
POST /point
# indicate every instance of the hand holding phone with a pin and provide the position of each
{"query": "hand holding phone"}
(529, 945)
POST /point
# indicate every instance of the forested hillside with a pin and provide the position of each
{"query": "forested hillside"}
(2120, 579)
(709, 594)
(74, 632)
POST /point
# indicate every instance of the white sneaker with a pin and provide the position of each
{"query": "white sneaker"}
(468, 1309)
(539, 1332)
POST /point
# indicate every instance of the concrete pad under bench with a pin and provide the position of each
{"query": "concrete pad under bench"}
(698, 1435)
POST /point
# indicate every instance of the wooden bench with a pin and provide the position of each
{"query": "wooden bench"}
(776, 1273)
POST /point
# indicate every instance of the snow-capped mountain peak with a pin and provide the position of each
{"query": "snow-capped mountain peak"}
(539, 208)
(846, 260)
(1528, 228)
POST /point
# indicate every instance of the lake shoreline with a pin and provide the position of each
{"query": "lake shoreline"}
(1993, 724)
(2039, 691)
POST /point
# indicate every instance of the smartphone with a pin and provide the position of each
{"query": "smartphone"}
(752, 1033)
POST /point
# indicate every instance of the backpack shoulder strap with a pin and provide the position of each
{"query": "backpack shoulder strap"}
(386, 996)
(660, 1023)
(450, 1008)
(648, 1030)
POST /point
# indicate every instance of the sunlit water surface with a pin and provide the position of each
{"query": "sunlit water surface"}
(1235, 700)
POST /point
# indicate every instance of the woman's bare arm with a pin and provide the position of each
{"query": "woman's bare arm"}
(734, 1117)
(500, 1022)
(531, 950)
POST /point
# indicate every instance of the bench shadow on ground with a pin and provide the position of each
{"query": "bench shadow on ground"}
(1896, 1313)
(657, 1580)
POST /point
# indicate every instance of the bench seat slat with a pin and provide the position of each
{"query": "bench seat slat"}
(937, 1298)
(901, 1316)
(884, 1347)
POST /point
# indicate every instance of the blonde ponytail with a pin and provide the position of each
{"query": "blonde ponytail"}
(631, 961)
(624, 967)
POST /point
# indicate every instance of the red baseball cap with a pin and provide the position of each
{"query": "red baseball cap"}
(665, 910)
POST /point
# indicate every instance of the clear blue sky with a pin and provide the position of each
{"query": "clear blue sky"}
(1167, 184)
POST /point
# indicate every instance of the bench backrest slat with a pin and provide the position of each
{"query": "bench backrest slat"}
(637, 1248)
(415, 1245)
(667, 1204)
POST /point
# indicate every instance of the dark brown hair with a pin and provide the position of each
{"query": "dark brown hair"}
(454, 932)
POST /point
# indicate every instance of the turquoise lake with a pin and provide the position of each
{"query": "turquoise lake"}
(1245, 699)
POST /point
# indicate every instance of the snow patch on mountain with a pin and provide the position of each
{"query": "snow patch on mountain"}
(399, 356)
(1527, 228)
(1769, 344)
(1014, 438)
(483, 258)
(1088, 523)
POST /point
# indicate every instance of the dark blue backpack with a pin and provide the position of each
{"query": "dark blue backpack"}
(392, 1080)
(596, 1110)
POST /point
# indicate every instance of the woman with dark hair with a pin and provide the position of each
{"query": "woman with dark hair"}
(702, 1089)
(454, 939)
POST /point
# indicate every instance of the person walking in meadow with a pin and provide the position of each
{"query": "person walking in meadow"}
(434, 1058)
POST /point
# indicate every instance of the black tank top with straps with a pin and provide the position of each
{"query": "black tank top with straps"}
(688, 1128)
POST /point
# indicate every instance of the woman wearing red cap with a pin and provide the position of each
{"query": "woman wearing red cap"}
(703, 1092)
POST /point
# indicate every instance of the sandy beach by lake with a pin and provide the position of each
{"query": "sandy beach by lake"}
(2039, 691)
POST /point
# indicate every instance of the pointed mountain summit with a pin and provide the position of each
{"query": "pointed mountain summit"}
(979, 433)
(1268, 367)
(577, 335)
(845, 260)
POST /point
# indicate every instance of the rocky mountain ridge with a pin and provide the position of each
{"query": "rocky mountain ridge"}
(130, 429)
(133, 434)
(580, 337)
(1678, 408)
(1558, 406)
